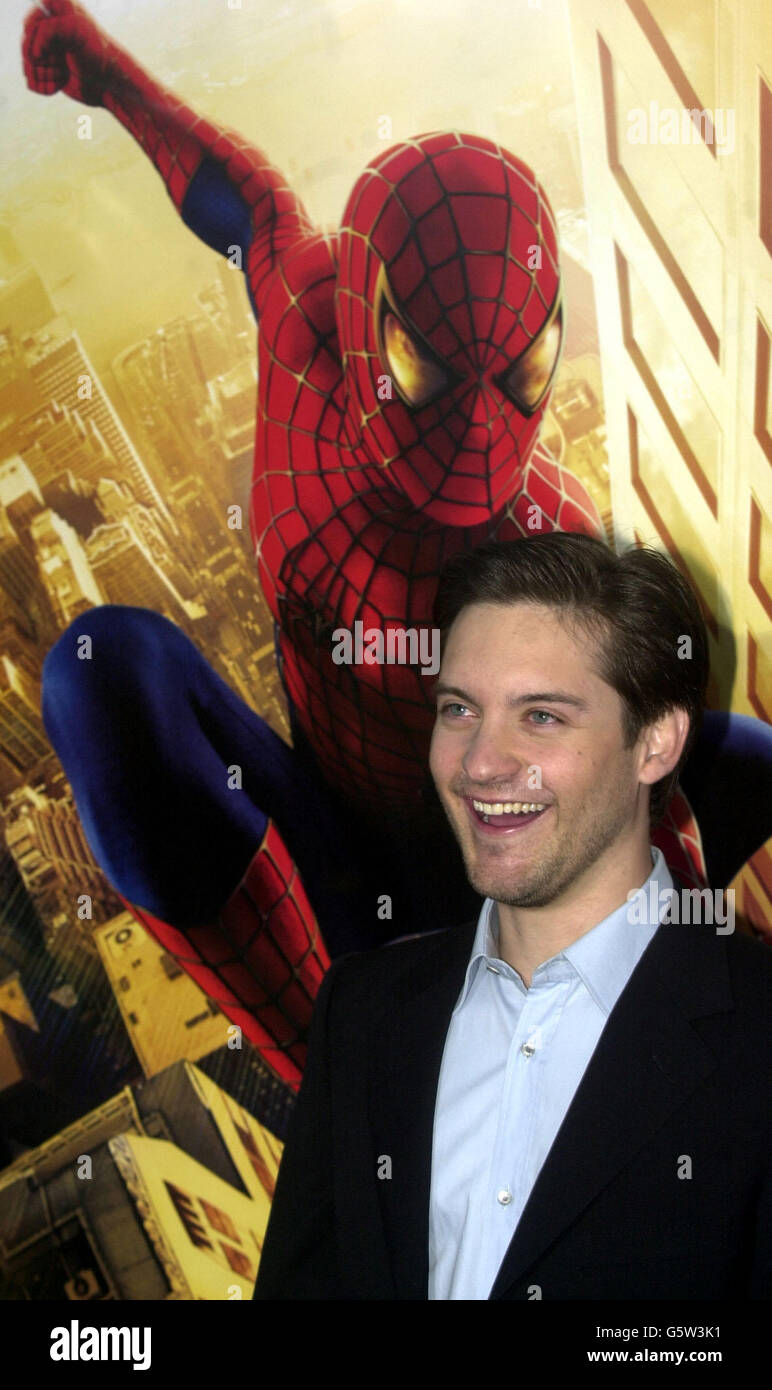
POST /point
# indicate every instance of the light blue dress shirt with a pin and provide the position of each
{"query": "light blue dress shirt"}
(512, 1062)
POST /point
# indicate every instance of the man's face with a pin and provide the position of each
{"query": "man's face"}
(524, 718)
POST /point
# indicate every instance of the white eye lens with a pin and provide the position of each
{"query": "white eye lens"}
(418, 377)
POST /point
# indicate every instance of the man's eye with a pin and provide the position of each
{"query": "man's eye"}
(453, 707)
(544, 717)
(417, 376)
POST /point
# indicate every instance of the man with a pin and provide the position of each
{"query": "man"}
(569, 1099)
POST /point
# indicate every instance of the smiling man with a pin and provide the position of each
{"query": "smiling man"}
(561, 1101)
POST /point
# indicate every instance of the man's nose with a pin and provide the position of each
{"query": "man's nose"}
(493, 753)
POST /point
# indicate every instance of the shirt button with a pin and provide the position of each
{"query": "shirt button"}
(504, 1197)
(528, 1049)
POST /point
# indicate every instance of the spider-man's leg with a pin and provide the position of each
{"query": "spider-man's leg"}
(174, 776)
(260, 957)
(202, 816)
(728, 780)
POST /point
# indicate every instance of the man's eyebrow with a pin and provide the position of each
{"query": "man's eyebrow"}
(441, 688)
(549, 697)
(546, 697)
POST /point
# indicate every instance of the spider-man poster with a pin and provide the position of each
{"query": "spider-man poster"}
(298, 300)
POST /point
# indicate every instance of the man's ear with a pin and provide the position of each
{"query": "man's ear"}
(662, 744)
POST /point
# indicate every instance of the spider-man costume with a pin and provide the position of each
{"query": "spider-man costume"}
(404, 370)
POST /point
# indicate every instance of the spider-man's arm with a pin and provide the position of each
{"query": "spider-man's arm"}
(225, 190)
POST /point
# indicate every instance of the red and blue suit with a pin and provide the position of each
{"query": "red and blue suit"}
(404, 369)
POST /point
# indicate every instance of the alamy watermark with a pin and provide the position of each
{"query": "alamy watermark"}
(76, 1343)
(397, 646)
(674, 125)
(672, 905)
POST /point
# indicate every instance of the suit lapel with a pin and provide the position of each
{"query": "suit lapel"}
(647, 1061)
(406, 1050)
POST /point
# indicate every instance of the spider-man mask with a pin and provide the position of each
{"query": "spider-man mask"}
(450, 320)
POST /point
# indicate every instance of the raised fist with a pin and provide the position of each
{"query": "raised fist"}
(65, 51)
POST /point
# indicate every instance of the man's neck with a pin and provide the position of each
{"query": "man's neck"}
(528, 936)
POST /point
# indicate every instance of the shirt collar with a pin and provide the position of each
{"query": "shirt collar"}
(604, 957)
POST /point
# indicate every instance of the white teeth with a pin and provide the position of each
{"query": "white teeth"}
(501, 808)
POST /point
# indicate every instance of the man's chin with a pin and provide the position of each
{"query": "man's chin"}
(523, 894)
(521, 884)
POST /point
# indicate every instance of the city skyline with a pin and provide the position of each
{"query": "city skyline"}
(83, 522)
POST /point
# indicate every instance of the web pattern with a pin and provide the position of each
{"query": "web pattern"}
(359, 501)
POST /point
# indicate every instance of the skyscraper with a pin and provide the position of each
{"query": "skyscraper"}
(45, 835)
(64, 567)
(180, 1177)
(64, 442)
(126, 572)
(20, 580)
(20, 495)
(23, 741)
(233, 401)
(62, 371)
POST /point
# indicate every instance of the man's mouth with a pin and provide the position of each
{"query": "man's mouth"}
(506, 815)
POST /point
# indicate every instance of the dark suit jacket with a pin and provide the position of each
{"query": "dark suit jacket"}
(682, 1074)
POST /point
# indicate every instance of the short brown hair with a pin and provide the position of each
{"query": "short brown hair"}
(637, 606)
